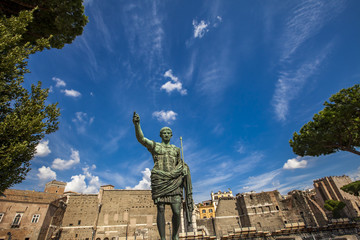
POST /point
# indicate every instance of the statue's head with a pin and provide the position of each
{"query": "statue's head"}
(165, 134)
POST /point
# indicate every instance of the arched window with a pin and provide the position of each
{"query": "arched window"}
(17, 219)
(106, 238)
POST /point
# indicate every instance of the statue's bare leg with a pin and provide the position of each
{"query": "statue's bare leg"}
(160, 220)
(176, 208)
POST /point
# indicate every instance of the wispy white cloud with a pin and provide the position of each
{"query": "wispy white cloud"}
(218, 129)
(145, 182)
(218, 20)
(174, 84)
(59, 82)
(82, 121)
(295, 163)
(145, 34)
(84, 183)
(71, 93)
(92, 65)
(102, 29)
(210, 182)
(112, 140)
(200, 28)
(262, 182)
(212, 80)
(46, 174)
(165, 116)
(305, 21)
(240, 146)
(170, 74)
(291, 82)
(225, 169)
(215, 72)
(61, 164)
(42, 149)
(171, 86)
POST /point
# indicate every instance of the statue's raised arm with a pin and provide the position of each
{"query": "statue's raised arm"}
(139, 134)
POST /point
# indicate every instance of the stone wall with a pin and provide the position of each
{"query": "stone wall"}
(128, 213)
(227, 216)
(206, 226)
(297, 209)
(118, 214)
(330, 188)
(80, 216)
(261, 210)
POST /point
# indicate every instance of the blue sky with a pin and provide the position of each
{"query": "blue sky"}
(235, 79)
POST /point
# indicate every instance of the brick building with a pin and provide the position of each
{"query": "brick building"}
(31, 215)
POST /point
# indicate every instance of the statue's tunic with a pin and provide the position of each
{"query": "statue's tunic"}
(166, 176)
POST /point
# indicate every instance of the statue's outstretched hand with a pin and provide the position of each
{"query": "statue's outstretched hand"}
(136, 118)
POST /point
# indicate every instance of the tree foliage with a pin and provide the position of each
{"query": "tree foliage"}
(352, 188)
(24, 116)
(335, 128)
(61, 19)
(335, 207)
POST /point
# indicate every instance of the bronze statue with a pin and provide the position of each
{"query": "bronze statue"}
(169, 178)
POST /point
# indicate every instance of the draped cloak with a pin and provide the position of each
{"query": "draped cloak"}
(168, 181)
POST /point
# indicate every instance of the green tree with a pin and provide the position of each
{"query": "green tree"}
(61, 19)
(352, 188)
(24, 116)
(335, 207)
(335, 128)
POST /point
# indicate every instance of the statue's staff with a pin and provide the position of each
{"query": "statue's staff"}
(188, 217)
(182, 152)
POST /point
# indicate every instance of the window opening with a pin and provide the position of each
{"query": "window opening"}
(17, 220)
(35, 218)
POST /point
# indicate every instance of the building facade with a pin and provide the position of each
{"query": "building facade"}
(113, 214)
(206, 209)
(30, 215)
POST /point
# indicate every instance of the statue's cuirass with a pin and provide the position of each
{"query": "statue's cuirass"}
(165, 157)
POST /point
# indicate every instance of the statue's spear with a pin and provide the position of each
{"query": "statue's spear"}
(182, 152)
(186, 192)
